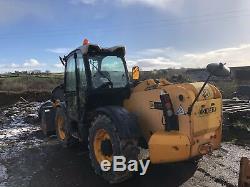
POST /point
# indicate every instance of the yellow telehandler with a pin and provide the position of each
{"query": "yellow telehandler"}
(99, 105)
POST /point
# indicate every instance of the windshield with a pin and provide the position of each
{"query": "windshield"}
(107, 71)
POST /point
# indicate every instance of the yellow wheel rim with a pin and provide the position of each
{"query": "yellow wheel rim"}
(60, 127)
(101, 136)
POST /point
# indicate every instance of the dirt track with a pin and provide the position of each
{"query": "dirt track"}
(27, 158)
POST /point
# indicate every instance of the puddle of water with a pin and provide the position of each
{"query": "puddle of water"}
(15, 133)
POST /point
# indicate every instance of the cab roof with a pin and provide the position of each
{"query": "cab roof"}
(93, 49)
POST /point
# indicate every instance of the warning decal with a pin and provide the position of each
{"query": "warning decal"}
(180, 111)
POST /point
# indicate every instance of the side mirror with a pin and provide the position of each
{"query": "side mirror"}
(218, 69)
(62, 61)
(135, 73)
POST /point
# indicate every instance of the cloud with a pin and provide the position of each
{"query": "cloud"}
(13, 65)
(154, 63)
(233, 56)
(157, 58)
(15, 10)
(28, 65)
(59, 50)
(159, 4)
(163, 58)
(87, 2)
(32, 63)
(58, 65)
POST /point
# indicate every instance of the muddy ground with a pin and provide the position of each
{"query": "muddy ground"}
(10, 97)
(27, 158)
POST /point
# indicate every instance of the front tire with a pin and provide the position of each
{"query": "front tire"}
(104, 143)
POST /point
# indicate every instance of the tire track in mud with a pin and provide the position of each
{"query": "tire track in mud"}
(225, 162)
(215, 179)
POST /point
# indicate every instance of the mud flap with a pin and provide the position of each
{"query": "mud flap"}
(48, 121)
(168, 147)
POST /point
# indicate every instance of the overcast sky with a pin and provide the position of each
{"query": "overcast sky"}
(157, 33)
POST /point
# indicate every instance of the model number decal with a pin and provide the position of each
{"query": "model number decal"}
(207, 110)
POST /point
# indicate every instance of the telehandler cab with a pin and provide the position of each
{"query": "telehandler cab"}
(100, 106)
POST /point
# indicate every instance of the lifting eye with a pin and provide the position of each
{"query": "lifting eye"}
(181, 97)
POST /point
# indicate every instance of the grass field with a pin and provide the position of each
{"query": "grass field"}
(24, 83)
(46, 83)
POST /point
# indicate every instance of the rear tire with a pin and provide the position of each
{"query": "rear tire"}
(196, 160)
(62, 132)
(104, 143)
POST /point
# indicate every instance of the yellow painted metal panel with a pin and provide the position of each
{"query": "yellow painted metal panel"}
(200, 130)
(168, 147)
(206, 116)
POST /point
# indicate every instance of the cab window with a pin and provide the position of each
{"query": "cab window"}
(81, 71)
(106, 69)
(70, 75)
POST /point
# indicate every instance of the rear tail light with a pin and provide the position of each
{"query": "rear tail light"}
(171, 120)
(166, 103)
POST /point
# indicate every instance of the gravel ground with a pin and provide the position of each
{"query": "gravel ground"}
(27, 158)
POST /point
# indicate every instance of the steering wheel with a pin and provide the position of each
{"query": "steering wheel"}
(106, 85)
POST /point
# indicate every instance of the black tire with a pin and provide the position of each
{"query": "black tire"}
(195, 160)
(62, 131)
(120, 147)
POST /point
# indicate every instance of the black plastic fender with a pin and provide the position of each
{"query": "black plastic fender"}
(125, 122)
(47, 104)
(47, 114)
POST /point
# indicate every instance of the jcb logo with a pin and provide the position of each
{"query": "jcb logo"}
(208, 110)
(205, 93)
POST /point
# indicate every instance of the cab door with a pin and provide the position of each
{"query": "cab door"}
(70, 88)
(81, 84)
